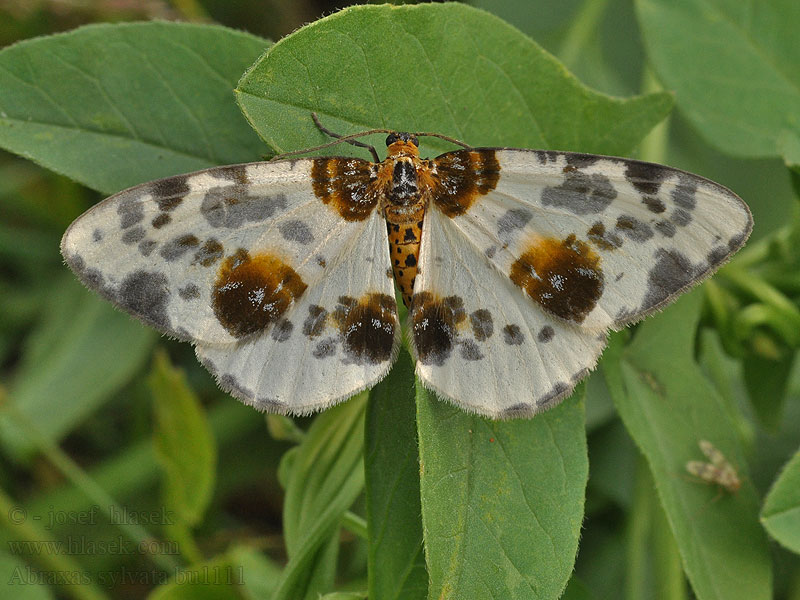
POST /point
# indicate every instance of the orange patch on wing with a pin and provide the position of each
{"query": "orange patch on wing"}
(459, 178)
(252, 292)
(344, 185)
(563, 276)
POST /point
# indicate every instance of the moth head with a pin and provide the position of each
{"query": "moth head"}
(408, 138)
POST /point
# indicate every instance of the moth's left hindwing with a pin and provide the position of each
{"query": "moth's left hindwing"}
(290, 305)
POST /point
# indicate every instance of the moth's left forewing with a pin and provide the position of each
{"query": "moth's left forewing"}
(599, 241)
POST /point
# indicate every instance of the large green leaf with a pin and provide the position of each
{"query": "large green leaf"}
(391, 463)
(115, 105)
(735, 67)
(668, 407)
(447, 68)
(781, 512)
(502, 502)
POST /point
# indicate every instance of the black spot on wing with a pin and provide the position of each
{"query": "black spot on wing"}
(579, 160)
(645, 177)
(161, 220)
(169, 193)
(560, 389)
(146, 295)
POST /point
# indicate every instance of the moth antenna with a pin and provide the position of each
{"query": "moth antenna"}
(339, 136)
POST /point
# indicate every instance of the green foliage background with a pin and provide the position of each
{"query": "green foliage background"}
(395, 494)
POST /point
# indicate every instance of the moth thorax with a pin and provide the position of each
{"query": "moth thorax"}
(404, 189)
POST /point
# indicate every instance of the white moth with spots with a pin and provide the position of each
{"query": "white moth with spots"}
(514, 263)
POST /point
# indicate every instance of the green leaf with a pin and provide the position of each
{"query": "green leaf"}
(502, 501)
(115, 105)
(396, 560)
(668, 407)
(217, 579)
(449, 68)
(58, 383)
(781, 512)
(733, 66)
(184, 443)
(324, 478)
(17, 579)
(345, 596)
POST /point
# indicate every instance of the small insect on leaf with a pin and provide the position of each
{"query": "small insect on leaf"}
(718, 471)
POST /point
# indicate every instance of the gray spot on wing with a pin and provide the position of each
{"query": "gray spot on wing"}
(654, 205)
(314, 324)
(282, 330)
(231, 385)
(133, 235)
(470, 350)
(231, 206)
(683, 194)
(482, 324)
(681, 217)
(634, 229)
(581, 193)
(511, 221)
(177, 247)
(296, 231)
(325, 348)
(718, 255)
(97, 235)
(545, 334)
(189, 292)
(560, 389)
(490, 252)
(130, 212)
(546, 156)
(517, 410)
(146, 247)
(145, 294)
(512, 335)
(671, 273)
(665, 228)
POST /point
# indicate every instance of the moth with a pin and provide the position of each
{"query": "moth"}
(718, 471)
(514, 264)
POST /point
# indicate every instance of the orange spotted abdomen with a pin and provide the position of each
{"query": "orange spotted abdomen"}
(405, 234)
